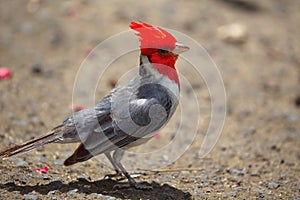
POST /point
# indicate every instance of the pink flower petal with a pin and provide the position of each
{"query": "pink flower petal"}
(42, 170)
(76, 108)
(157, 135)
(5, 73)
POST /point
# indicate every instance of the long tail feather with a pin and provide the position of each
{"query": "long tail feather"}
(53, 136)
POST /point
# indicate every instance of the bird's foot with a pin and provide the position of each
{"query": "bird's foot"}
(132, 183)
(117, 174)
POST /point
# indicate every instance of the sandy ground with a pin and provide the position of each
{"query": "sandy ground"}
(257, 155)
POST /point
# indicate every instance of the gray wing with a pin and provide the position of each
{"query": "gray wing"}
(128, 121)
(120, 120)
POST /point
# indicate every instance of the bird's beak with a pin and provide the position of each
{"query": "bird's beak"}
(180, 48)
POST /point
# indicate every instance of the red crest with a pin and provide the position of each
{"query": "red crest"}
(152, 37)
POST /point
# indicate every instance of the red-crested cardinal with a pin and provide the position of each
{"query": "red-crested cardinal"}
(129, 115)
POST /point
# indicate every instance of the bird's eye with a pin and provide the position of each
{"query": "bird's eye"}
(162, 51)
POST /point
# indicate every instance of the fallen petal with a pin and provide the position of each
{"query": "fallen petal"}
(42, 170)
(5, 73)
(76, 108)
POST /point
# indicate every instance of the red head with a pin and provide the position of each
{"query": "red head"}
(159, 46)
(153, 38)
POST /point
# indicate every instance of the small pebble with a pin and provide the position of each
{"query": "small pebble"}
(233, 33)
(30, 196)
(59, 162)
(261, 194)
(238, 172)
(111, 198)
(223, 148)
(273, 185)
(184, 172)
(213, 182)
(72, 192)
(52, 192)
(19, 162)
(36, 69)
(255, 174)
(208, 190)
(275, 148)
(289, 163)
(282, 176)
(46, 178)
(234, 194)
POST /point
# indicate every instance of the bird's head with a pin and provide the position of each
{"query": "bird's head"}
(161, 48)
(157, 44)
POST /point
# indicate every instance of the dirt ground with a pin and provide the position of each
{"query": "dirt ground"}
(257, 155)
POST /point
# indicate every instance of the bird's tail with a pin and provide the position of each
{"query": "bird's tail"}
(53, 136)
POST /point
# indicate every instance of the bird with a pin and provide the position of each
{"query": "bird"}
(129, 115)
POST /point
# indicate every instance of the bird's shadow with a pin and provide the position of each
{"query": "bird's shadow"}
(103, 186)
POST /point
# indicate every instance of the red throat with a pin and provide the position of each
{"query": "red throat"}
(165, 64)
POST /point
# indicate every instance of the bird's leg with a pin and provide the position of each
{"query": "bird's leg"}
(118, 172)
(117, 156)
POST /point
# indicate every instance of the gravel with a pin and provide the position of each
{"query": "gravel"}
(19, 162)
(273, 185)
(255, 157)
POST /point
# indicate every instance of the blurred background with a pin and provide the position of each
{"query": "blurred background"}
(255, 45)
